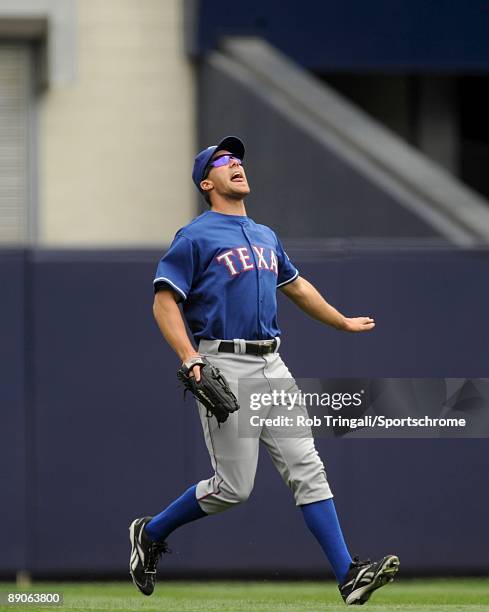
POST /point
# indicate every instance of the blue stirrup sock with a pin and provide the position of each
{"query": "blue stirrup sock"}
(183, 510)
(322, 520)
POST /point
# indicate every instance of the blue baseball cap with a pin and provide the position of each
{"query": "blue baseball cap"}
(231, 143)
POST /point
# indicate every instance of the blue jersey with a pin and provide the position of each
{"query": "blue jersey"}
(227, 268)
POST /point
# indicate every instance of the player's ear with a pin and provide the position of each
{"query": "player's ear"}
(206, 185)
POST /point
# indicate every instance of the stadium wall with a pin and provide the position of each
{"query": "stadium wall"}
(95, 430)
(345, 35)
(104, 113)
(116, 144)
(293, 168)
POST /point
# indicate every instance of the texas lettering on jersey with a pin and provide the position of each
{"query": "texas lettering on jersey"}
(239, 259)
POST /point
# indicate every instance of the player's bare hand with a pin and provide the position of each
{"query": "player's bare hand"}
(359, 324)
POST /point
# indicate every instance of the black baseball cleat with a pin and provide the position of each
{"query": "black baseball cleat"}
(145, 555)
(364, 577)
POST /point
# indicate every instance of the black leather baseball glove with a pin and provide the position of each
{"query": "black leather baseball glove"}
(212, 390)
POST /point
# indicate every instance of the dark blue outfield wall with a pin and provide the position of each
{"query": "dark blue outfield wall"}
(95, 433)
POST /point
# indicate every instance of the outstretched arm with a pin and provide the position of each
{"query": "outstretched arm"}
(308, 298)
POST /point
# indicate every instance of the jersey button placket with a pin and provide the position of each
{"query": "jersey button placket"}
(258, 284)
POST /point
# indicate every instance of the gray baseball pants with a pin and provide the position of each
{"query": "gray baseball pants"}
(234, 458)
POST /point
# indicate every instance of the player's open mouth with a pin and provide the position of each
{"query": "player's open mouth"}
(237, 177)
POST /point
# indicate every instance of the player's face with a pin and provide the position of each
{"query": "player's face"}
(230, 179)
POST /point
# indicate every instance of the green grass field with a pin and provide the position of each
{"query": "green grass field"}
(411, 595)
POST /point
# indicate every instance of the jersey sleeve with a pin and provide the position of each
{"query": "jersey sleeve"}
(176, 268)
(287, 272)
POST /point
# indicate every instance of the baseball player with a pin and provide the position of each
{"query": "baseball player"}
(221, 274)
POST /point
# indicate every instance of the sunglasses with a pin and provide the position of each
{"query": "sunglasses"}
(223, 160)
